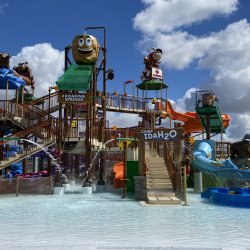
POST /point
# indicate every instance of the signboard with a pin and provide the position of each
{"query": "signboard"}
(157, 73)
(121, 143)
(160, 134)
(73, 97)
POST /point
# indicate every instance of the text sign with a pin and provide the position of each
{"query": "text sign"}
(73, 98)
(159, 134)
(157, 73)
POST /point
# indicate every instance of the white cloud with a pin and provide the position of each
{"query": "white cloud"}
(186, 103)
(45, 62)
(240, 126)
(122, 120)
(228, 63)
(3, 6)
(166, 16)
(180, 49)
(223, 54)
(230, 67)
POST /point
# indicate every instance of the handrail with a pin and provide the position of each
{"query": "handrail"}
(45, 98)
(36, 129)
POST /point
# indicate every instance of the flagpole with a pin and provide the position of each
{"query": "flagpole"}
(133, 93)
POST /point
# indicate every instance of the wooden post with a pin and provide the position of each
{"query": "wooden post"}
(22, 100)
(185, 185)
(17, 186)
(141, 151)
(125, 169)
(60, 131)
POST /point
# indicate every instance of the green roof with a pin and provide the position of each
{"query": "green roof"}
(76, 77)
(152, 85)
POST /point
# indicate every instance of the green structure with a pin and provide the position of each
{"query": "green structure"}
(209, 114)
(76, 77)
(153, 84)
(210, 117)
(132, 170)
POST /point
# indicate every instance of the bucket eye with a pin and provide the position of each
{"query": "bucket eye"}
(88, 41)
(81, 42)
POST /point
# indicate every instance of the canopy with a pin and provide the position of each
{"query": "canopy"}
(76, 77)
(6, 76)
(153, 84)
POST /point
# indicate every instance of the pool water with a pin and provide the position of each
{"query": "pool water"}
(106, 221)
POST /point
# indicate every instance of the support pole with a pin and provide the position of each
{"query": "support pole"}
(17, 186)
(208, 127)
(185, 185)
(125, 169)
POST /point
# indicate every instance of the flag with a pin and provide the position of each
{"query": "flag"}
(129, 81)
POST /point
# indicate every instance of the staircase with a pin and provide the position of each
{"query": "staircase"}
(158, 183)
(33, 124)
(32, 149)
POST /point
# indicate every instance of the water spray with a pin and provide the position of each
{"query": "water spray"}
(92, 162)
(43, 149)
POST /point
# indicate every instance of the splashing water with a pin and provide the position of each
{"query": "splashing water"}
(91, 164)
(54, 160)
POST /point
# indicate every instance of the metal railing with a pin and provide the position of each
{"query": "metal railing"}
(222, 150)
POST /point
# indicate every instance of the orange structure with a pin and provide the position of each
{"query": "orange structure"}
(191, 120)
(118, 170)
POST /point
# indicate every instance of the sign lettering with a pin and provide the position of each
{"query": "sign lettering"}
(73, 98)
(160, 134)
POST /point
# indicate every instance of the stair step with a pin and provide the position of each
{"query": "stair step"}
(159, 185)
(160, 190)
(158, 180)
(157, 168)
(167, 200)
(155, 159)
(166, 182)
(157, 175)
(161, 194)
(156, 164)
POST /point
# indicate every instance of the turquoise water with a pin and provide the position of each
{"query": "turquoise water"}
(106, 221)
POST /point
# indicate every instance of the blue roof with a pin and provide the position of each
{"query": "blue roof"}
(13, 81)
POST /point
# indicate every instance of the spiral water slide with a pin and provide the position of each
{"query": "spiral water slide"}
(191, 120)
(226, 169)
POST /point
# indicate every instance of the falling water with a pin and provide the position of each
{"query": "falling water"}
(91, 164)
(44, 149)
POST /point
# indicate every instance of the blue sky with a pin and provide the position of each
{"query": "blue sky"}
(206, 45)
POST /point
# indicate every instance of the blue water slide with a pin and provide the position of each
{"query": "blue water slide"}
(202, 162)
(13, 81)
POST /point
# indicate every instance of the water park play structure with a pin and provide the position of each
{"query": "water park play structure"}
(72, 122)
(205, 161)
